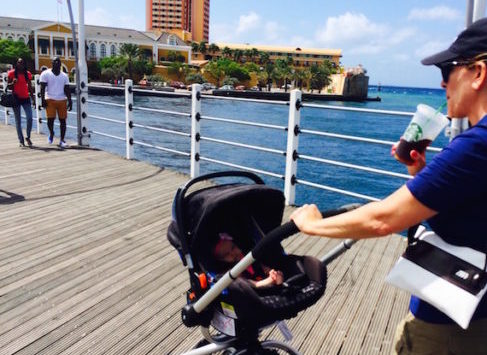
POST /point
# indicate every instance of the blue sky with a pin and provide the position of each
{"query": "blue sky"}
(388, 38)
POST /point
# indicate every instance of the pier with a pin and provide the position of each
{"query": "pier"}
(85, 266)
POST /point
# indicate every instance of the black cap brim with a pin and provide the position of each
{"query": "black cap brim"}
(440, 57)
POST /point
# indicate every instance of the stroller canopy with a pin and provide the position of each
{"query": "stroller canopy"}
(227, 208)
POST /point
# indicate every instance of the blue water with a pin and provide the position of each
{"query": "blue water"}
(376, 126)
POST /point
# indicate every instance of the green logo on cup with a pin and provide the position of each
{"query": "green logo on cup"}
(413, 133)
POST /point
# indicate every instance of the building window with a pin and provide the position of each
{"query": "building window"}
(171, 40)
(113, 50)
(92, 51)
(103, 51)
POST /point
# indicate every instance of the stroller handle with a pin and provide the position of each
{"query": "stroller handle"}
(286, 230)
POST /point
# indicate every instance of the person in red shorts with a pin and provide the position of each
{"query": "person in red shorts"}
(19, 81)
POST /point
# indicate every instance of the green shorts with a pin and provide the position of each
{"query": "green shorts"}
(414, 336)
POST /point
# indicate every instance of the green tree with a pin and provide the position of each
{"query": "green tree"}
(174, 56)
(321, 75)
(237, 55)
(213, 48)
(264, 58)
(230, 81)
(227, 52)
(202, 48)
(195, 47)
(130, 51)
(195, 78)
(10, 51)
(215, 71)
(179, 69)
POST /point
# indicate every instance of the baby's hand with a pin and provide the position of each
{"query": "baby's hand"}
(276, 277)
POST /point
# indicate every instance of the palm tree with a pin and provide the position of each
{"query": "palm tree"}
(248, 54)
(179, 69)
(264, 58)
(227, 52)
(237, 55)
(195, 47)
(129, 51)
(203, 48)
(213, 48)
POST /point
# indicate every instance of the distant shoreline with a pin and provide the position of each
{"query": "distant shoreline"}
(103, 90)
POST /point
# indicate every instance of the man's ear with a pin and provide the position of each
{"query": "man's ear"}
(480, 80)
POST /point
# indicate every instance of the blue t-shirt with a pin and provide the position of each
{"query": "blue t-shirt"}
(454, 184)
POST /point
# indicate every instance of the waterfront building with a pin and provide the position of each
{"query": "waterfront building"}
(189, 19)
(302, 57)
(48, 39)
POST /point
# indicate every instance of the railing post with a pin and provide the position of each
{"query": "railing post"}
(4, 86)
(129, 124)
(195, 129)
(292, 147)
(38, 102)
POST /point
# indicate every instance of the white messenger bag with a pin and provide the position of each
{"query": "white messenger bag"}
(451, 278)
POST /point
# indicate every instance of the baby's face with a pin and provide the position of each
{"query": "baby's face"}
(228, 252)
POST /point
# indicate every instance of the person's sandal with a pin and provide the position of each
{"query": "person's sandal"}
(29, 142)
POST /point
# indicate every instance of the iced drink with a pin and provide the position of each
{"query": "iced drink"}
(424, 127)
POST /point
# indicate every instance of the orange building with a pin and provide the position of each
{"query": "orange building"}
(189, 19)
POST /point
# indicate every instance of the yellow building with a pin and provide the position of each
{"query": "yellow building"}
(189, 19)
(48, 40)
(302, 57)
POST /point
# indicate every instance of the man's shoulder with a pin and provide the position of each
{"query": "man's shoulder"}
(46, 73)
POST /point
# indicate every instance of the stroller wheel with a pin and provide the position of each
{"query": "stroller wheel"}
(269, 347)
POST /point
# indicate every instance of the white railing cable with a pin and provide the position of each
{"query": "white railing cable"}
(242, 145)
(353, 166)
(115, 88)
(107, 135)
(333, 189)
(246, 123)
(151, 128)
(162, 111)
(362, 110)
(242, 167)
(101, 118)
(162, 148)
(105, 103)
(273, 102)
(358, 139)
(164, 93)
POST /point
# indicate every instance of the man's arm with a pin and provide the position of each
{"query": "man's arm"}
(43, 94)
(67, 92)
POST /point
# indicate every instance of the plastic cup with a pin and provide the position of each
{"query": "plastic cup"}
(425, 126)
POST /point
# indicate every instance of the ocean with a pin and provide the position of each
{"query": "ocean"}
(368, 125)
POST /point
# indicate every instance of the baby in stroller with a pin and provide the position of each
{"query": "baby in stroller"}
(259, 275)
(238, 226)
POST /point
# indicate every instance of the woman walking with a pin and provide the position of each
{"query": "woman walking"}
(19, 81)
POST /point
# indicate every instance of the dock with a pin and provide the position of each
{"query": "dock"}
(85, 266)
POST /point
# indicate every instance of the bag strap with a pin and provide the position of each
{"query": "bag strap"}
(411, 232)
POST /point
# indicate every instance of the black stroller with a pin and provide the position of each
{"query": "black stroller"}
(217, 297)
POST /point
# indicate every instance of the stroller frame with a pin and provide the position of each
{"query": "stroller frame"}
(191, 312)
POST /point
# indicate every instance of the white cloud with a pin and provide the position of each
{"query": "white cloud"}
(348, 28)
(101, 17)
(401, 57)
(430, 48)
(434, 13)
(248, 22)
(356, 34)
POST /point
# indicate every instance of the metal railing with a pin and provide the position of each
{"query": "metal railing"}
(293, 129)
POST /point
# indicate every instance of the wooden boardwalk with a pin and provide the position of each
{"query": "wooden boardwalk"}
(85, 267)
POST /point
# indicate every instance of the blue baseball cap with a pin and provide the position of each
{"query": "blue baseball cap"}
(470, 43)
